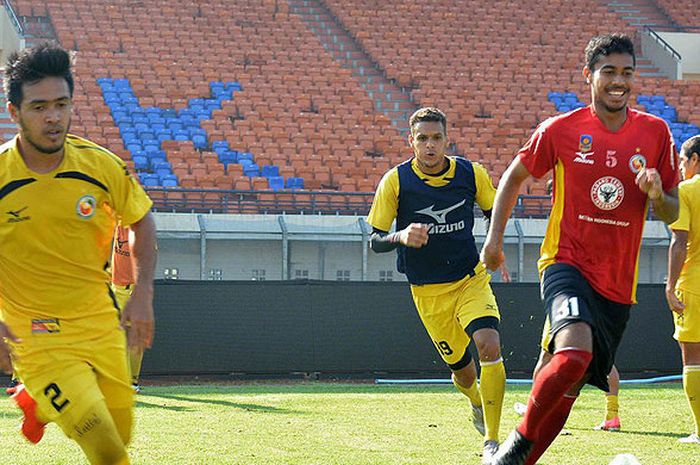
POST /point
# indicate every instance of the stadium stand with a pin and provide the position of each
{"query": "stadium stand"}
(304, 116)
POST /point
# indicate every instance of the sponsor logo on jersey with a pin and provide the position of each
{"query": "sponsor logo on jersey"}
(582, 157)
(637, 163)
(585, 143)
(16, 216)
(51, 326)
(607, 193)
(442, 227)
(85, 208)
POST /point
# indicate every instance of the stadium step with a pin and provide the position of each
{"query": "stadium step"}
(641, 13)
(388, 98)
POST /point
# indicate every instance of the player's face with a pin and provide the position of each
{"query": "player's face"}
(429, 141)
(611, 81)
(44, 115)
(689, 165)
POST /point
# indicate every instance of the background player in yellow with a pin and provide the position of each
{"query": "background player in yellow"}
(432, 198)
(63, 196)
(683, 285)
(122, 286)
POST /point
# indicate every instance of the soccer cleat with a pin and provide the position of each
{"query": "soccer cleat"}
(692, 439)
(490, 449)
(478, 419)
(32, 428)
(12, 387)
(514, 451)
(609, 425)
(136, 387)
(520, 408)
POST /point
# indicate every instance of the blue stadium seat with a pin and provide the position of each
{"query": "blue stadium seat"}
(270, 171)
(275, 183)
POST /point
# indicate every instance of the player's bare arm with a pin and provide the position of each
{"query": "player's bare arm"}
(665, 203)
(676, 257)
(506, 197)
(6, 335)
(138, 312)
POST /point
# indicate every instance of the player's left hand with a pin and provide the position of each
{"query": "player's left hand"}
(649, 182)
(673, 302)
(137, 319)
(5, 360)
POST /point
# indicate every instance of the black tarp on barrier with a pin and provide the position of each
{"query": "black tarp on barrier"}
(283, 327)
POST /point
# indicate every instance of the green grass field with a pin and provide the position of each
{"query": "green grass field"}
(356, 424)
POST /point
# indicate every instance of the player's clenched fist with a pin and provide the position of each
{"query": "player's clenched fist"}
(649, 182)
(414, 235)
(492, 255)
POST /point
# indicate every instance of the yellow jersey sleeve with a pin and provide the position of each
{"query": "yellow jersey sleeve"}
(684, 209)
(485, 191)
(130, 201)
(386, 202)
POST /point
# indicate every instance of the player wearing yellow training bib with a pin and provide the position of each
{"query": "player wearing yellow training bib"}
(61, 197)
(432, 199)
(683, 285)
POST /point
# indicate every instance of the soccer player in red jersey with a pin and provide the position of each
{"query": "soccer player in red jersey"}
(610, 162)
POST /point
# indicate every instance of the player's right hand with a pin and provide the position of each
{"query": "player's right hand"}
(5, 361)
(492, 254)
(414, 235)
(673, 302)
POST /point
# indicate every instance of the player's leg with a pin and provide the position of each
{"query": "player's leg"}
(98, 436)
(437, 314)
(612, 417)
(135, 359)
(688, 335)
(566, 303)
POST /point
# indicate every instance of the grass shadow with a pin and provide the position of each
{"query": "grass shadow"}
(173, 408)
(225, 403)
(637, 433)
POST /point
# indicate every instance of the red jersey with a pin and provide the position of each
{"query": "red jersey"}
(598, 212)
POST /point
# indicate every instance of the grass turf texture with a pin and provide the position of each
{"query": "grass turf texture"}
(351, 424)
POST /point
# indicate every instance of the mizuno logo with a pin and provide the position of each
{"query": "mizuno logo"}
(440, 215)
(16, 216)
(16, 213)
(582, 157)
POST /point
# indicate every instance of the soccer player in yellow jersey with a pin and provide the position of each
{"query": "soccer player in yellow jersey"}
(60, 199)
(432, 198)
(683, 285)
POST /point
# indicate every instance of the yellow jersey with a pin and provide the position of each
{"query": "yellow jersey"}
(689, 220)
(56, 234)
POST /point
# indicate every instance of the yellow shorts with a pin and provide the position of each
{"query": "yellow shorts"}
(66, 380)
(122, 294)
(447, 315)
(688, 324)
(546, 336)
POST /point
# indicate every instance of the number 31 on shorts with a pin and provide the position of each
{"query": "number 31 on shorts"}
(567, 308)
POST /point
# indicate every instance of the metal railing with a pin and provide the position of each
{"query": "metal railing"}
(662, 42)
(13, 17)
(184, 200)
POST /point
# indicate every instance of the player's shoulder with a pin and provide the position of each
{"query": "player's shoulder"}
(7, 146)
(562, 120)
(86, 148)
(692, 184)
(642, 117)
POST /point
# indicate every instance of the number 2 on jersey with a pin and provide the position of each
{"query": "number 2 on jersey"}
(54, 393)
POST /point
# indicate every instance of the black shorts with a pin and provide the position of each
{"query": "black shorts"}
(569, 298)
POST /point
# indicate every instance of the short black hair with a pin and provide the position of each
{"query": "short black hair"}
(426, 114)
(33, 64)
(691, 146)
(606, 45)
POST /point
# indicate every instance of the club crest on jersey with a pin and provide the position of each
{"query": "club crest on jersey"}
(637, 163)
(85, 208)
(607, 193)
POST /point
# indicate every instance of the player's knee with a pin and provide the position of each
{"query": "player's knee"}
(488, 344)
(572, 364)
